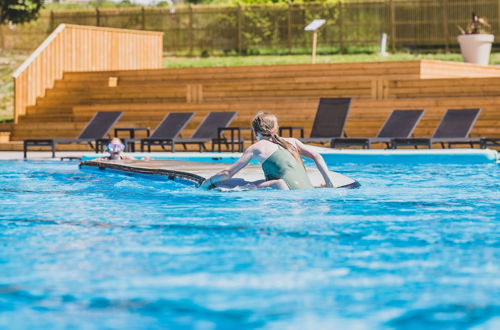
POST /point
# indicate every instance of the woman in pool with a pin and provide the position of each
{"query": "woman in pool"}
(279, 157)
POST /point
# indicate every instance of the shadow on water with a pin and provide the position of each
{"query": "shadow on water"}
(451, 316)
(337, 235)
(164, 309)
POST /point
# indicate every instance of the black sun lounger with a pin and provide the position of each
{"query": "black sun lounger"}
(400, 124)
(168, 130)
(207, 131)
(490, 142)
(454, 128)
(330, 120)
(97, 128)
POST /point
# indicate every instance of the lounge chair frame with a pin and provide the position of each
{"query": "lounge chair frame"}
(489, 142)
(205, 126)
(438, 137)
(154, 139)
(321, 131)
(52, 143)
(413, 118)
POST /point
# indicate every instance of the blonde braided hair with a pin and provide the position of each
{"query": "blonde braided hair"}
(266, 124)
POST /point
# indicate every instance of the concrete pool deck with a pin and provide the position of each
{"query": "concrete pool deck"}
(330, 155)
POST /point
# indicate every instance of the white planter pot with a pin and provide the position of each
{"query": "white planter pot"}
(476, 48)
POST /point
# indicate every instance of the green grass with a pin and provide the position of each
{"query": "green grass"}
(183, 62)
(9, 61)
(6, 119)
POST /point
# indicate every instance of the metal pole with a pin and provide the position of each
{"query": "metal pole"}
(51, 23)
(239, 23)
(498, 18)
(341, 29)
(315, 41)
(392, 15)
(289, 25)
(2, 42)
(445, 26)
(143, 18)
(190, 30)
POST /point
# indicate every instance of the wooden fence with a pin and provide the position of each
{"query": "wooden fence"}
(83, 48)
(352, 25)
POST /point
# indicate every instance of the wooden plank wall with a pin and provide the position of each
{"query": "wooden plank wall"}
(290, 91)
(83, 48)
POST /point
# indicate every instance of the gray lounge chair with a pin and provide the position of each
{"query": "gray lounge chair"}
(453, 129)
(400, 124)
(96, 129)
(490, 142)
(167, 131)
(330, 120)
(208, 130)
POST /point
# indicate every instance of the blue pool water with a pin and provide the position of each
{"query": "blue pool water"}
(416, 247)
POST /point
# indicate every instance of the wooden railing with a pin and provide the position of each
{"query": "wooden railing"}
(83, 48)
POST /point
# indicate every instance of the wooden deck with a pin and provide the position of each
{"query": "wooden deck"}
(290, 91)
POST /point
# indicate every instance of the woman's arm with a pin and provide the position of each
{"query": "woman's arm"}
(229, 172)
(320, 162)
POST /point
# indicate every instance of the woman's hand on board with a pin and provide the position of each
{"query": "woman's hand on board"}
(207, 184)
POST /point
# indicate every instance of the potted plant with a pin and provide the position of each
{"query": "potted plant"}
(475, 41)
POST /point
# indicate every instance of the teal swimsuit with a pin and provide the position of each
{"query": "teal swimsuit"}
(282, 165)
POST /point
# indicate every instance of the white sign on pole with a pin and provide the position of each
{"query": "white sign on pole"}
(314, 25)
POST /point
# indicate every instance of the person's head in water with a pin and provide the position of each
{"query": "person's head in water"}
(115, 148)
(265, 126)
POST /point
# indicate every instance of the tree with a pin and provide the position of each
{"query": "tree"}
(19, 11)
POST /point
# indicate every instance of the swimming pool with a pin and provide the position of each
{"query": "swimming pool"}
(417, 246)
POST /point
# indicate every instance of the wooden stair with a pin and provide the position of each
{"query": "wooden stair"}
(290, 91)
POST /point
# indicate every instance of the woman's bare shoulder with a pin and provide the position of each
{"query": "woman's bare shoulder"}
(292, 140)
(258, 145)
